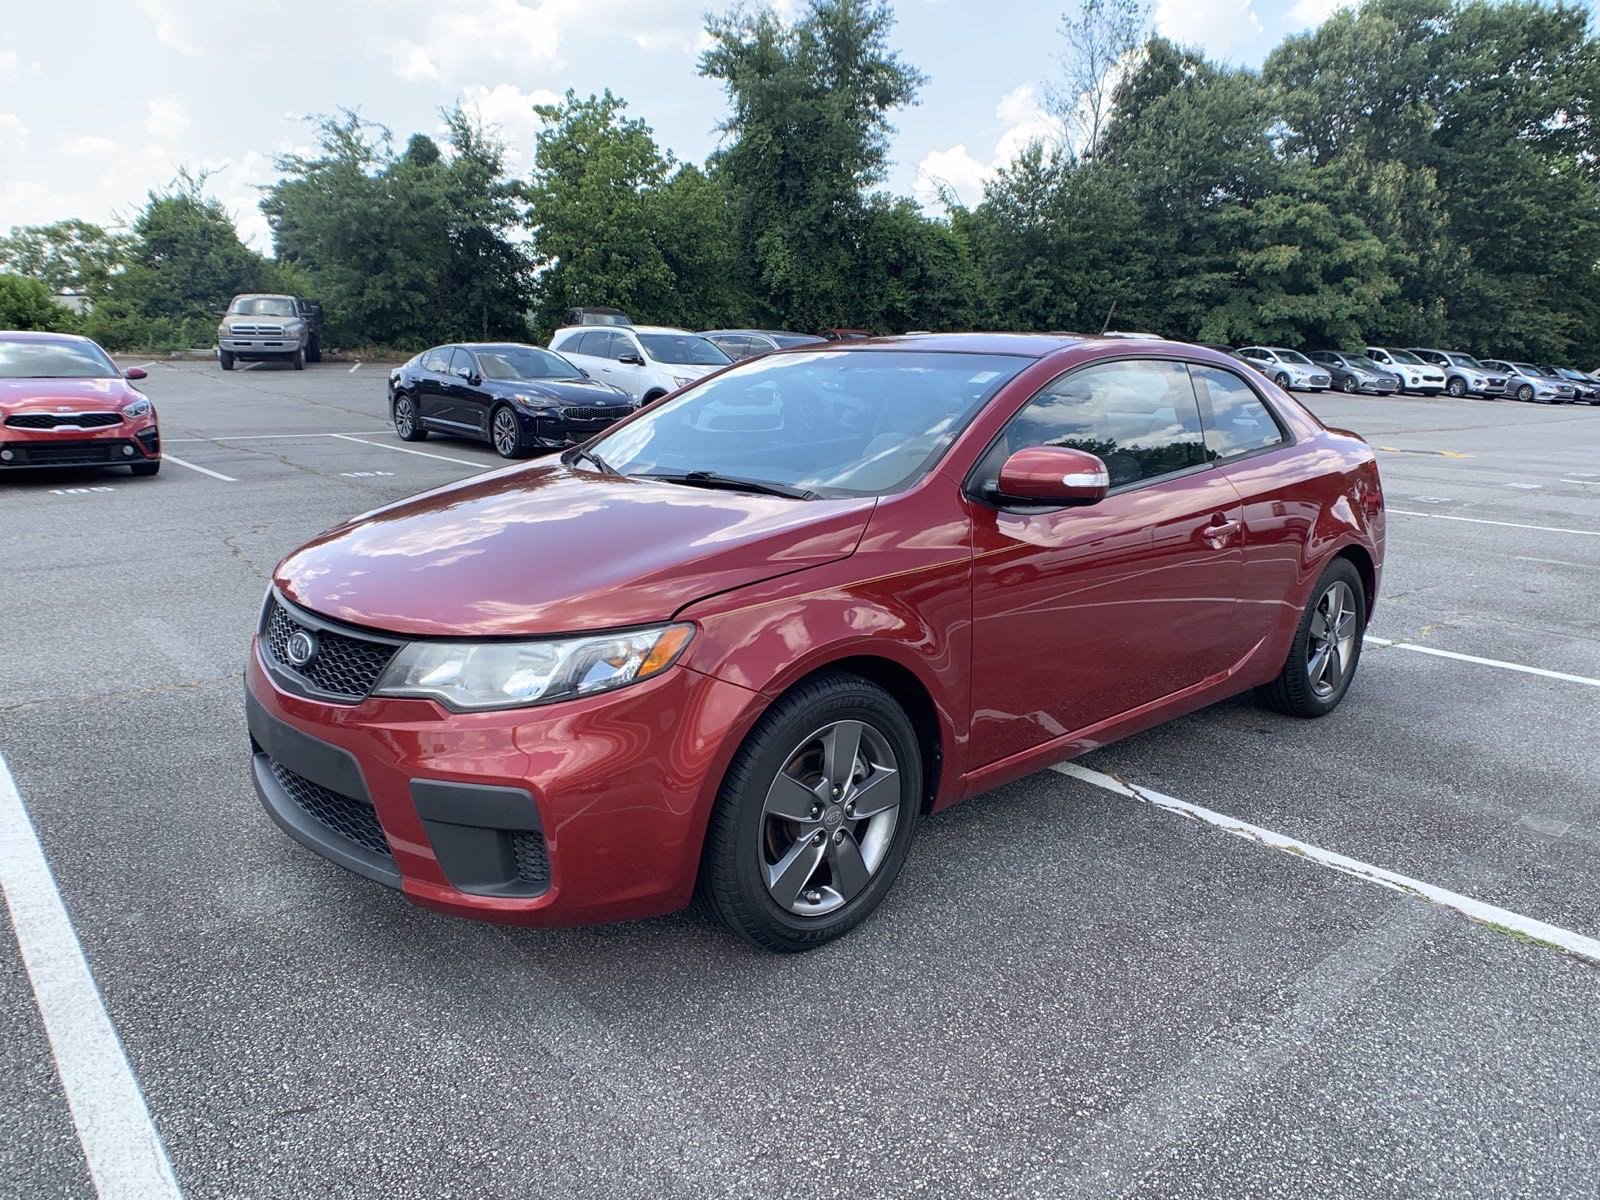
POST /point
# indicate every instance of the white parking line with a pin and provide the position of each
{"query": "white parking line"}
(1576, 944)
(203, 470)
(353, 369)
(251, 366)
(1506, 524)
(1585, 482)
(1556, 562)
(1501, 664)
(267, 437)
(465, 462)
(120, 1144)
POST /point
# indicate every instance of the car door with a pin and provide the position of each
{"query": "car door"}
(635, 378)
(1083, 614)
(469, 402)
(431, 383)
(1250, 447)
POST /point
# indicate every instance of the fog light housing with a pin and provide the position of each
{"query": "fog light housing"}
(127, 451)
(6, 456)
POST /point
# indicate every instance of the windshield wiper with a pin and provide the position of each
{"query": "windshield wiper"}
(582, 453)
(728, 483)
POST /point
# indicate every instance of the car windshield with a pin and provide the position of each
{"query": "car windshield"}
(1464, 360)
(1293, 356)
(688, 349)
(1402, 356)
(1362, 362)
(262, 306)
(836, 423)
(796, 339)
(54, 360)
(1526, 369)
(524, 362)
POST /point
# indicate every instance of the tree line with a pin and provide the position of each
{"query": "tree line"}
(1415, 172)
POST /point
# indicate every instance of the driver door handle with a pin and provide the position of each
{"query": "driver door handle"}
(1219, 531)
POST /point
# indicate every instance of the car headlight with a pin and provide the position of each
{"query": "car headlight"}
(138, 408)
(472, 676)
(682, 381)
(533, 401)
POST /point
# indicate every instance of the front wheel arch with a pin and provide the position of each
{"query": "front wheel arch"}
(653, 395)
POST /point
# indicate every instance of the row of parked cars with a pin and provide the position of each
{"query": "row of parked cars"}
(1386, 370)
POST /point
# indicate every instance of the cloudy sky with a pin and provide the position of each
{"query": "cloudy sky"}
(101, 101)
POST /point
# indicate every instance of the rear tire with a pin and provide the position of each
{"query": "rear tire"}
(835, 727)
(314, 350)
(406, 423)
(1326, 644)
(225, 360)
(145, 468)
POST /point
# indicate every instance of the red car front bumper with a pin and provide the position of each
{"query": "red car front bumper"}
(577, 812)
(123, 443)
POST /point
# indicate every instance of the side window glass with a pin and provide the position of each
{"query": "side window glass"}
(1139, 417)
(592, 344)
(567, 344)
(461, 363)
(622, 344)
(437, 360)
(1237, 420)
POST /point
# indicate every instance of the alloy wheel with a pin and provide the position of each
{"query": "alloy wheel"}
(829, 818)
(1282, 380)
(405, 417)
(1349, 383)
(1332, 641)
(505, 433)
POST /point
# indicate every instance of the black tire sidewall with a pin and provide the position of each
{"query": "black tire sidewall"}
(517, 451)
(1305, 702)
(732, 867)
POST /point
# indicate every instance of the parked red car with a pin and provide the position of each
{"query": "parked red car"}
(64, 403)
(750, 661)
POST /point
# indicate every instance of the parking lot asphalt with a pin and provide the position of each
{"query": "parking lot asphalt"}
(1068, 993)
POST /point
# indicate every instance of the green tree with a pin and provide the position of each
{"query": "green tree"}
(65, 255)
(808, 136)
(26, 303)
(184, 259)
(404, 249)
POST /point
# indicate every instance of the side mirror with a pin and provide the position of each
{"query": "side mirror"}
(584, 373)
(135, 373)
(474, 379)
(630, 360)
(1053, 476)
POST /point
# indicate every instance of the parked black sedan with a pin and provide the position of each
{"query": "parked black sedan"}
(1356, 373)
(519, 399)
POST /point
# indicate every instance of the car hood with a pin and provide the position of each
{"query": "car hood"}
(539, 550)
(563, 391)
(51, 395)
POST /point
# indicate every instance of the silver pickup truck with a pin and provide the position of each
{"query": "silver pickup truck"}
(259, 326)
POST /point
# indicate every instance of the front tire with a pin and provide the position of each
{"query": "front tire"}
(1326, 648)
(1525, 393)
(815, 815)
(1457, 388)
(406, 423)
(1282, 380)
(1349, 385)
(145, 468)
(505, 433)
(225, 360)
(298, 361)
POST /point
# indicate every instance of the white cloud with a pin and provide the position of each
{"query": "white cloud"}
(10, 65)
(414, 65)
(165, 118)
(1216, 26)
(13, 134)
(176, 25)
(1024, 121)
(1307, 13)
(88, 146)
(463, 34)
(509, 111)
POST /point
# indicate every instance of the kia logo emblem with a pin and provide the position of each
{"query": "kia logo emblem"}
(300, 649)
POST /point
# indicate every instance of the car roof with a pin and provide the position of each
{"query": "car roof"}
(263, 296)
(37, 335)
(762, 332)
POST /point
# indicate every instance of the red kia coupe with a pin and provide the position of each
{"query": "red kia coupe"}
(64, 403)
(746, 657)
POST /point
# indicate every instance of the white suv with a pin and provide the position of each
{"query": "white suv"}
(646, 361)
(1415, 375)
